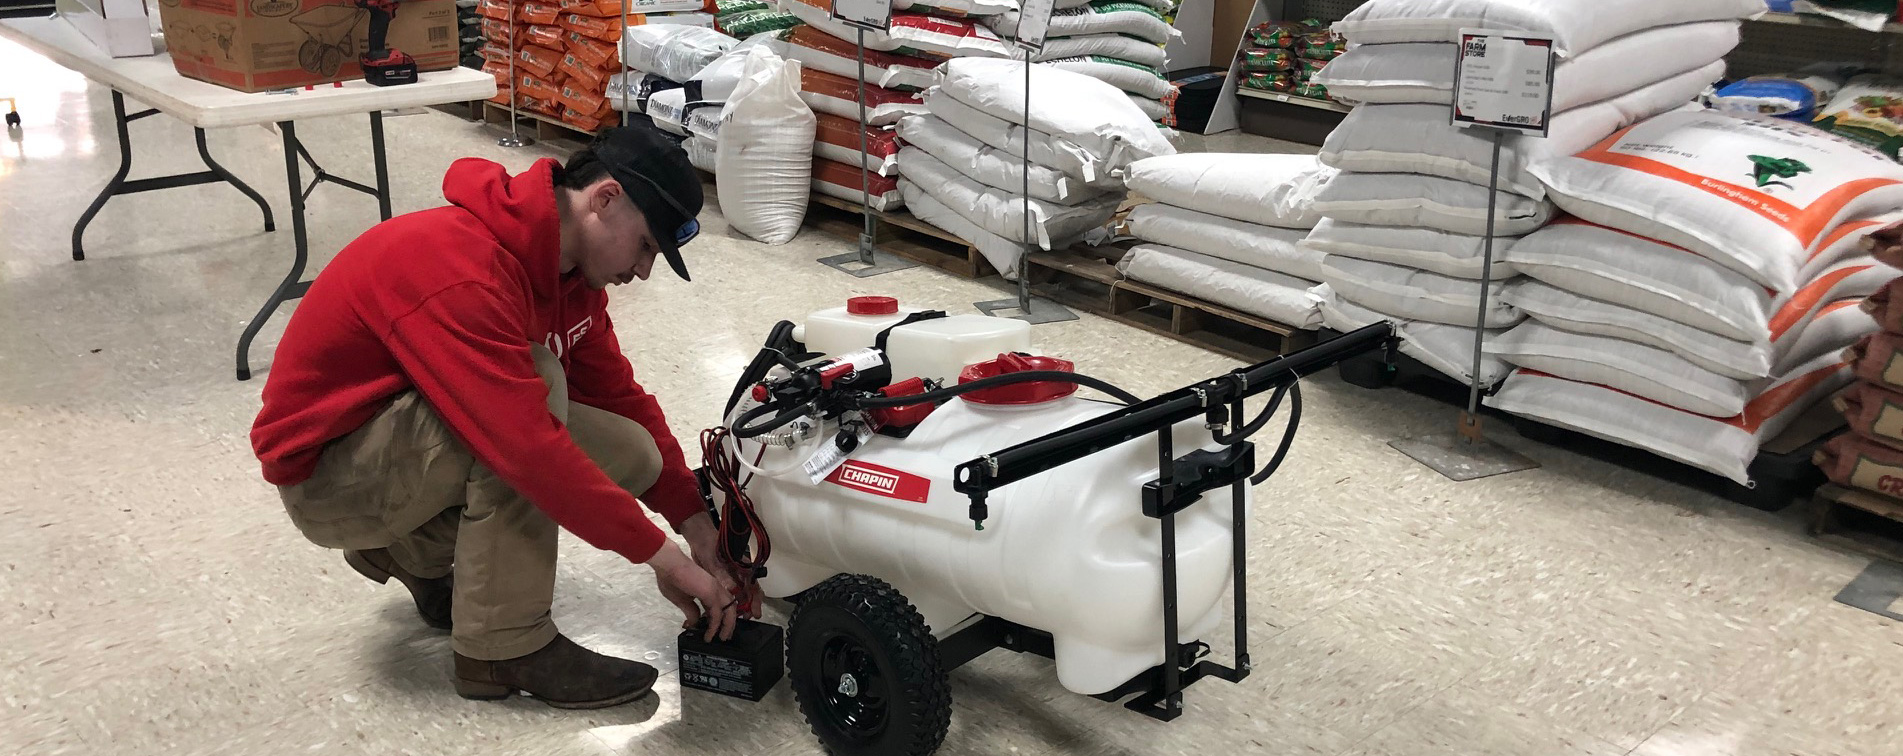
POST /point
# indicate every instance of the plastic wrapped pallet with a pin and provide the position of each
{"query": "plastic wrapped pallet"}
(1413, 294)
(1001, 211)
(1575, 26)
(673, 52)
(1091, 120)
(1422, 139)
(1407, 199)
(987, 165)
(1264, 247)
(1274, 296)
(1002, 253)
(1725, 446)
(1423, 72)
(765, 154)
(1445, 348)
(1271, 190)
(1433, 250)
(1756, 195)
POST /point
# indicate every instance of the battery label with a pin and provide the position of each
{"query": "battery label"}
(716, 674)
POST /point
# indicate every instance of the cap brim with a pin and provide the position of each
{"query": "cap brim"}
(671, 250)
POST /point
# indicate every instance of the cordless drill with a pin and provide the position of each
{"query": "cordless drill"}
(384, 65)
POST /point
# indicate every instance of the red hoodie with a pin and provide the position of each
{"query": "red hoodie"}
(447, 302)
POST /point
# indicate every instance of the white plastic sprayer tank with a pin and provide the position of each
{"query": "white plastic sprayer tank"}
(937, 349)
(1068, 551)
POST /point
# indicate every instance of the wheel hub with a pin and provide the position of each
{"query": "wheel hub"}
(848, 686)
(855, 697)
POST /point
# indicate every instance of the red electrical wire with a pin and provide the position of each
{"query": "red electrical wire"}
(724, 473)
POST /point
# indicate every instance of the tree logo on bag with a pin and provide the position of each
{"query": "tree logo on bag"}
(1768, 169)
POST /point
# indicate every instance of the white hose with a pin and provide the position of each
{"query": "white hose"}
(799, 452)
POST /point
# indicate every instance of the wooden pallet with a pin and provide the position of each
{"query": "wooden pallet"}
(1867, 522)
(543, 128)
(1087, 279)
(899, 233)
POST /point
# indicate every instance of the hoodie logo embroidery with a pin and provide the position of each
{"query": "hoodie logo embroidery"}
(560, 343)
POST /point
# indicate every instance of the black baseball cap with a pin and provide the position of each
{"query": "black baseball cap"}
(655, 173)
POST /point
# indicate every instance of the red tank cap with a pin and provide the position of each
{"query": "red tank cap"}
(1032, 392)
(872, 306)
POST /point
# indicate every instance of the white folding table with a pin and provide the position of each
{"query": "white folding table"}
(153, 81)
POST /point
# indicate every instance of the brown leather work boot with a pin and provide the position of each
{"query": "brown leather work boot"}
(563, 675)
(431, 594)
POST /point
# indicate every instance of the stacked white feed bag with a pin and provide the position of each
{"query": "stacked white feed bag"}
(672, 51)
(882, 87)
(970, 157)
(1710, 282)
(1228, 228)
(765, 152)
(1448, 349)
(1118, 42)
(1407, 220)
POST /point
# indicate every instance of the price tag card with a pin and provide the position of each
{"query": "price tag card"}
(1034, 23)
(1504, 80)
(871, 15)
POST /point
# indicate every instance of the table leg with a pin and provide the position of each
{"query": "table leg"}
(383, 163)
(119, 121)
(293, 285)
(225, 175)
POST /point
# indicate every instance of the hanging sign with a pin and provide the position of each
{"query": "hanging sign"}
(1504, 80)
(1034, 23)
(871, 15)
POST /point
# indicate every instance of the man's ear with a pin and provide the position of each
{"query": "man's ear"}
(604, 194)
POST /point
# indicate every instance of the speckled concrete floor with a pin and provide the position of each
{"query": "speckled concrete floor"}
(156, 601)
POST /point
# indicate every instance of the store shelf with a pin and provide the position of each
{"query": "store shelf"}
(1796, 19)
(1305, 102)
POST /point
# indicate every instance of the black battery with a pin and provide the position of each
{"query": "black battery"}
(748, 666)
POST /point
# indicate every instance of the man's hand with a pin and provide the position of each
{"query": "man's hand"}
(703, 537)
(683, 582)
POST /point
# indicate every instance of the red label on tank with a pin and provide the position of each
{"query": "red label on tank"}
(883, 481)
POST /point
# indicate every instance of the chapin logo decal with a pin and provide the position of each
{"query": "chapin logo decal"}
(882, 481)
(885, 484)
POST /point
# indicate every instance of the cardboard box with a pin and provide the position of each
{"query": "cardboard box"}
(258, 45)
(119, 27)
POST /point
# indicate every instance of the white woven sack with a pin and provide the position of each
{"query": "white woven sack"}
(1002, 253)
(671, 51)
(701, 152)
(1409, 199)
(1829, 328)
(1449, 254)
(1755, 195)
(765, 154)
(668, 110)
(1416, 294)
(988, 165)
(1134, 78)
(956, 8)
(1280, 298)
(896, 76)
(1146, 24)
(1107, 45)
(912, 35)
(1001, 211)
(629, 92)
(1152, 109)
(1422, 138)
(1162, 5)
(1576, 26)
(1083, 114)
(1677, 285)
(1272, 190)
(1424, 71)
(1448, 349)
(1634, 368)
(1257, 246)
(1725, 446)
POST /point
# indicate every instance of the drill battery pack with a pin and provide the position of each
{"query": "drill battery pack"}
(748, 666)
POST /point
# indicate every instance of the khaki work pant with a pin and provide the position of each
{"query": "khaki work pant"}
(403, 482)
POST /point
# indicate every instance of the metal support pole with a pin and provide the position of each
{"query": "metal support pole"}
(1486, 283)
(1172, 671)
(1239, 539)
(1030, 310)
(867, 260)
(383, 163)
(515, 138)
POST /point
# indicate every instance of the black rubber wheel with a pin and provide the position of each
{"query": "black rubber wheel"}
(864, 668)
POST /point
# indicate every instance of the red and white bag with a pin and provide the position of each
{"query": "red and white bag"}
(1874, 411)
(1756, 195)
(819, 51)
(839, 96)
(1878, 358)
(841, 180)
(1861, 462)
(910, 34)
(838, 139)
(1678, 285)
(1725, 446)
